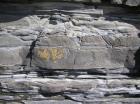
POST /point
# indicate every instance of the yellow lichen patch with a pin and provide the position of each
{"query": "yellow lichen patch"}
(53, 54)
(56, 53)
(43, 54)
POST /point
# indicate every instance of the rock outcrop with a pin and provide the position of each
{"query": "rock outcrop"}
(120, 2)
(75, 52)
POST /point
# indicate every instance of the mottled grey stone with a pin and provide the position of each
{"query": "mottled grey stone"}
(117, 1)
(92, 40)
(53, 57)
(13, 103)
(10, 56)
(51, 102)
(128, 2)
(122, 41)
(7, 98)
(133, 2)
(25, 32)
(81, 59)
(57, 41)
(7, 40)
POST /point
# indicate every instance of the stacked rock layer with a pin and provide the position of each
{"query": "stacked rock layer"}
(76, 52)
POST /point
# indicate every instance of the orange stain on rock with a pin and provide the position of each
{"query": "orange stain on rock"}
(43, 54)
(53, 54)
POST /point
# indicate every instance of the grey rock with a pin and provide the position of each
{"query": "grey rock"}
(133, 2)
(57, 41)
(75, 97)
(122, 41)
(29, 38)
(9, 40)
(104, 71)
(7, 98)
(60, 18)
(25, 32)
(21, 22)
(70, 87)
(92, 40)
(130, 2)
(72, 52)
(17, 87)
(123, 83)
(53, 58)
(10, 56)
(91, 58)
(13, 103)
(117, 1)
(51, 102)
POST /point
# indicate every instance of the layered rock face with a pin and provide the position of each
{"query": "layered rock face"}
(75, 52)
(124, 2)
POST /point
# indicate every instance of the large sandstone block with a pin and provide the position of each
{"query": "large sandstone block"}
(86, 58)
(133, 2)
(49, 85)
(8, 40)
(53, 57)
(52, 102)
(57, 41)
(123, 41)
(11, 56)
(92, 41)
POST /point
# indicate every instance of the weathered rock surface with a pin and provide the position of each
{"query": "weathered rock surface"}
(72, 52)
(125, 2)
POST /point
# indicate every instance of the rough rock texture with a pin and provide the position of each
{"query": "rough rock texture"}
(124, 2)
(76, 52)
